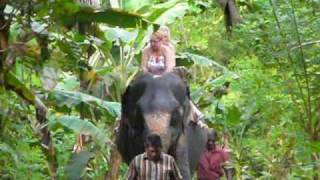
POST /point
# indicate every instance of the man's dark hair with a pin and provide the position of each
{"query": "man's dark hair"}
(212, 135)
(153, 140)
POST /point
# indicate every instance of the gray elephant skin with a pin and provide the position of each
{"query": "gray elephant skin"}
(160, 105)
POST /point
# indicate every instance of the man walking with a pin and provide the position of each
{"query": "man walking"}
(212, 160)
(153, 164)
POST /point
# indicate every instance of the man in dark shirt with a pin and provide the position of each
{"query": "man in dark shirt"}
(212, 160)
(153, 164)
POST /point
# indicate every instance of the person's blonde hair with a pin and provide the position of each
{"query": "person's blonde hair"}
(157, 34)
(164, 30)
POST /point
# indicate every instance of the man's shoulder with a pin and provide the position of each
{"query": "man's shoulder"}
(167, 156)
(165, 48)
(223, 153)
(221, 150)
(170, 47)
(139, 156)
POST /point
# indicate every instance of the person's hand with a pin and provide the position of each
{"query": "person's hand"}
(202, 124)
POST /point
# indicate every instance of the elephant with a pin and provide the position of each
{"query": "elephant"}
(160, 105)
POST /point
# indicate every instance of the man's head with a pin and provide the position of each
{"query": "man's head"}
(152, 146)
(212, 137)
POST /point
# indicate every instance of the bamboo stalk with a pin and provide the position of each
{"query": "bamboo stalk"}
(290, 59)
(305, 44)
(311, 129)
(304, 64)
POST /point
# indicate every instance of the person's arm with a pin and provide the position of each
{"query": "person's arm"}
(175, 170)
(132, 172)
(225, 155)
(228, 170)
(144, 60)
(226, 142)
(170, 58)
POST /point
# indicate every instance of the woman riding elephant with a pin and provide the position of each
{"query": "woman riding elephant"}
(159, 58)
(166, 39)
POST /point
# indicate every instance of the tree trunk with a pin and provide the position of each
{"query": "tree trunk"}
(316, 167)
(231, 13)
(4, 36)
(115, 161)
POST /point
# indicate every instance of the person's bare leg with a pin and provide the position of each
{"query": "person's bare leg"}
(198, 116)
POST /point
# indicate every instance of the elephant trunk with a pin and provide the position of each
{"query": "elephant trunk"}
(159, 123)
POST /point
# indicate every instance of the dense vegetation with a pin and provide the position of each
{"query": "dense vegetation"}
(65, 64)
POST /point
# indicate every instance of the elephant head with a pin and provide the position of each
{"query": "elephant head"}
(158, 105)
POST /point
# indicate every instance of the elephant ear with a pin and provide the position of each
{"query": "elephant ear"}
(125, 103)
(123, 130)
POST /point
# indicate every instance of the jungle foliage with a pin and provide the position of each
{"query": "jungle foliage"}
(254, 71)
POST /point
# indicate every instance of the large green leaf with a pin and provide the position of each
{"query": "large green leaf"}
(202, 60)
(134, 5)
(68, 83)
(142, 38)
(77, 165)
(73, 99)
(166, 12)
(78, 125)
(114, 17)
(120, 34)
(159, 9)
(233, 116)
(171, 14)
(227, 76)
(19, 87)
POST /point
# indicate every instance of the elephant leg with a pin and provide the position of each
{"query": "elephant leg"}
(182, 157)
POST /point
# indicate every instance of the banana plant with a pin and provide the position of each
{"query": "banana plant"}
(121, 63)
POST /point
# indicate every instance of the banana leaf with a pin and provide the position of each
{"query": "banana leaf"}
(72, 99)
(78, 162)
(113, 17)
(15, 84)
(165, 13)
(201, 60)
(78, 125)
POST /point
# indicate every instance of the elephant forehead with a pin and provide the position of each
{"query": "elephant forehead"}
(157, 121)
(158, 102)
